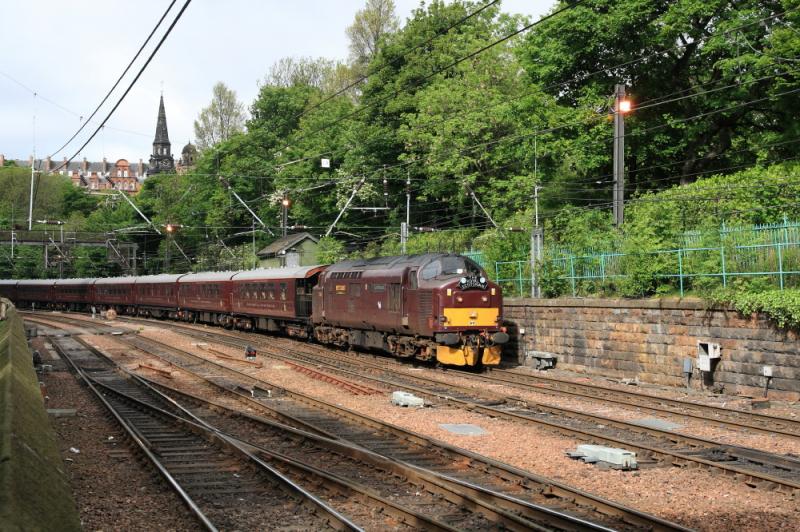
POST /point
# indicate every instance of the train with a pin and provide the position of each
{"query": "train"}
(431, 307)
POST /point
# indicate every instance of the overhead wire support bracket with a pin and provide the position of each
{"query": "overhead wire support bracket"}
(346, 205)
(476, 200)
(132, 204)
(227, 185)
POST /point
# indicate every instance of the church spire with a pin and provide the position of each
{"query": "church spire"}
(162, 136)
(161, 160)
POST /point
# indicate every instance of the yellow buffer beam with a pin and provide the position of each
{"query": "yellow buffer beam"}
(471, 317)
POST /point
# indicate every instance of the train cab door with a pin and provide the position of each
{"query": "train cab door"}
(410, 288)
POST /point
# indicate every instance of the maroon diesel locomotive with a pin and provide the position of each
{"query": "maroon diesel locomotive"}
(422, 306)
(433, 306)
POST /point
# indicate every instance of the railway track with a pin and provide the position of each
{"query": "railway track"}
(725, 417)
(730, 418)
(451, 494)
(509, 488)
(653, 446)
(223, 484)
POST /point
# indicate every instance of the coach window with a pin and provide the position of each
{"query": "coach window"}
(283, 291)
(355, 289)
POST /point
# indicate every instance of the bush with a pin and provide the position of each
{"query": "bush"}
(780, 306)
(551, 280)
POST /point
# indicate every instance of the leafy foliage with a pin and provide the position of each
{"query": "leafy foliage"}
(780, 306)
(222, 119)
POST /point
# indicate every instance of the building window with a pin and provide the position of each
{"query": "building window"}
(125, 173)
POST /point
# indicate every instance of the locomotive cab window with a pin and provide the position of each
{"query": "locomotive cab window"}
(450, 266)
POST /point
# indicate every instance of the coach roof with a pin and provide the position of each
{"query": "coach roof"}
(206, 277)
(299, 272)
(115, 280)
(62, 282)
(160, 278)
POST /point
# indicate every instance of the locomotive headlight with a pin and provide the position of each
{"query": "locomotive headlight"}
(484, 299)
(483, 280)
(459, 299)
(463, 280)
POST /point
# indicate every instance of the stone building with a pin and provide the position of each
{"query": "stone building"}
(102, 175)
(187, 160)
(122, 174)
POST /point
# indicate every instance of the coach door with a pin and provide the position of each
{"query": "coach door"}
(410, 294)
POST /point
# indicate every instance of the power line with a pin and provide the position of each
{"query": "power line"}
(441, 69)
(132, 83)
(395, 61)
(119, 79)
(554, 86)
(65, 109)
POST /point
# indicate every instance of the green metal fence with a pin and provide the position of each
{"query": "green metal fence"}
(769, 251)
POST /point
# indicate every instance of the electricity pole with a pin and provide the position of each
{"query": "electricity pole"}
(621, 106)
(536, 231)
(536, 243)
(404, 227)
(30, 204)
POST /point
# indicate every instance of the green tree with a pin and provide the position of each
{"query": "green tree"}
(222, 119)
(712, 80)
(371, 25)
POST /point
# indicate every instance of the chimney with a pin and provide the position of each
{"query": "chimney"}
(30, 161)
(140, 169)
(2, 160)
(105, 165)
(84, 166)
(66, 166)
(48, 164)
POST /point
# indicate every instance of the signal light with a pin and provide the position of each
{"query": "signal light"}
(625, 106)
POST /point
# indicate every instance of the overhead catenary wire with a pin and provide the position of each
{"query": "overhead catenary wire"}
(448, 66)
(395, 61)
(561, 85)
(119, 79)
(132, 83)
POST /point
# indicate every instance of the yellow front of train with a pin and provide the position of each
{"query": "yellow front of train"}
(469, 330)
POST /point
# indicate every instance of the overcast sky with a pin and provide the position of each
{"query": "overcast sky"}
(71, 52)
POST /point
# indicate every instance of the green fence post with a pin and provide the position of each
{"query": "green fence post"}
(572, 273)
(603, 267)
(722, 255)
(780, 250)
(680, 270)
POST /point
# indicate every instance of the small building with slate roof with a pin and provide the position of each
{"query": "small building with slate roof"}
(298, 249)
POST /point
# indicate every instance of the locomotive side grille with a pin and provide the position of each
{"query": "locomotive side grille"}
(425, 307)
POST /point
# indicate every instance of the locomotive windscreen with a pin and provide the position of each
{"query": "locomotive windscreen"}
(450, 266)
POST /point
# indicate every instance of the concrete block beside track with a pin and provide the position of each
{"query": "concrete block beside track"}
(34, 489)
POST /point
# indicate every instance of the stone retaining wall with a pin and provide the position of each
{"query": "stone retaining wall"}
(649, 340)
(34, 491)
